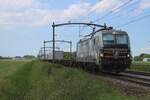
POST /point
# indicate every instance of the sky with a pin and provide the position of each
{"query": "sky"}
(25, 24)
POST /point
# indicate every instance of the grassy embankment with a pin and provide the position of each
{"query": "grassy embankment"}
(141, 66)
(36, 80)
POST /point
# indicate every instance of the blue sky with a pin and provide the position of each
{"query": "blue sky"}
(25, 24)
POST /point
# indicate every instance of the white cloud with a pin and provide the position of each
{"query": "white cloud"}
(27, 17)
(16, 2)
(145, 49)
(106, 5)
(144, 4)
(33, 12)
(76, 10)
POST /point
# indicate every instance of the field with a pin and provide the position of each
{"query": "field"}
(35, 80)
(141, 66)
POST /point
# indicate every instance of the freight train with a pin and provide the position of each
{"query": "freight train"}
(107, 48)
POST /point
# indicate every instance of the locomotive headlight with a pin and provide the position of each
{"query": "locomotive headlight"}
(101, 55)
(128, 55)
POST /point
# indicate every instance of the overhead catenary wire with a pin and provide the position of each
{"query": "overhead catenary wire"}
(93, 11)
(128, 11)
(135, 20)
(110, 12)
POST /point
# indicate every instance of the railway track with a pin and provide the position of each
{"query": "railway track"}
(140, 78)
(133, 77)
(138, 72)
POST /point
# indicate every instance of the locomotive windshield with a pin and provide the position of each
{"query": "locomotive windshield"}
(121, 39)
(109, 38)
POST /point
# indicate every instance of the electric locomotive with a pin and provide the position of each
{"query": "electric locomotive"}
(107, 48)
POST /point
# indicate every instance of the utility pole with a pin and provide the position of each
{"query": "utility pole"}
(53, 41)
(41, 53)
(71, 49)
(44, 51)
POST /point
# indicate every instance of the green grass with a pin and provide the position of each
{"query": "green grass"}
(36, 80)
(141, 66)
(8, 67)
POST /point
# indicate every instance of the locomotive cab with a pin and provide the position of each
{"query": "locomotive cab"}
(115, 52)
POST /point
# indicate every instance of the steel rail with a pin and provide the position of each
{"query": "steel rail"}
(138, 72)
(140, 81)
(135, 80)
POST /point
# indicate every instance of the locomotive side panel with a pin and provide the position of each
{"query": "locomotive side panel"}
(95, 47)
(88, 50)
(83, 51)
